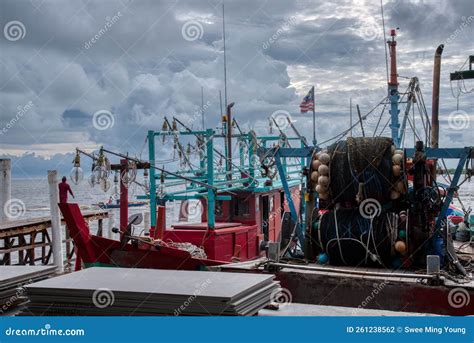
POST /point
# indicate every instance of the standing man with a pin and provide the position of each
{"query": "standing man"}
(64, 188)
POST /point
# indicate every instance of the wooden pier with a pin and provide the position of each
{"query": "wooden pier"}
(23, 238)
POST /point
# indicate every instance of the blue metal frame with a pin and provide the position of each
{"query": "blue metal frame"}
(214, 183)
(394, 112)
(463, 154)
(277, 153)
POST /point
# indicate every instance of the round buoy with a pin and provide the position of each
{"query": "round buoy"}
(401, 247)
(399, 152)
(315, 164)
(396, 170)
(323, 181)
(323, 196)
(397, 159)
(323, 169)
(314, 176)
(400, 187)
(402, 234)
(323, 258)
(324, 158)
(321, 189)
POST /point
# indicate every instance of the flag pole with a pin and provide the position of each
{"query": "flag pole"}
(314, 119)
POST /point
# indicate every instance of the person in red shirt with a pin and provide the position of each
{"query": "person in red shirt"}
(64, 188)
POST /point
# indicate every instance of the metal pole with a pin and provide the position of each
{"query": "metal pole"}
(211, 204)
(123, 196)
(220, 104)
(350, 114)
(229, 141)
(56, 230)
(5, 187)
(393, 89)
(435, 99)
(202, 106)
(225, 60)
(151, 159)
(314, 119)
(360, 120)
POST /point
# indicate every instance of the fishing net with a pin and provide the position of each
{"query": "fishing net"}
(361, 168)
(353, 240)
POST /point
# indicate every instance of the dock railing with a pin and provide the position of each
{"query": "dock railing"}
(29, 241)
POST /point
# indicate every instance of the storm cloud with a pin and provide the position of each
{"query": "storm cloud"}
(142, 60)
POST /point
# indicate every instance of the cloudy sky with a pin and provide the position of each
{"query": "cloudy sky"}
(69, 69)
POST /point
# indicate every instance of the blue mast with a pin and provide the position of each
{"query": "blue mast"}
(393, 94)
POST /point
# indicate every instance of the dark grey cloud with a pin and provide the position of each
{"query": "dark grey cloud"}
(130, 58)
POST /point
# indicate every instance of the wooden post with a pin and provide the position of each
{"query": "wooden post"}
(159, 230)
(56, 230)
(110, 224)
(100, 232)
(69, 247)
(123, 196)
(146, 221)
(5, 186)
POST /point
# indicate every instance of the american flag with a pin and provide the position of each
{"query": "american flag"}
(308, 102)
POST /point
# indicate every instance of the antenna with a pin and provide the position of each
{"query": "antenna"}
(350, 113)
(202, 107)
(384, 38)
(225, 60)
(220, 101)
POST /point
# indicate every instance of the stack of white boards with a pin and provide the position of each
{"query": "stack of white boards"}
(146, 292)
(14, 280)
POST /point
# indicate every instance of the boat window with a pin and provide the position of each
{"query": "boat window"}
(282, 204)
(218, 210)
(241, 208)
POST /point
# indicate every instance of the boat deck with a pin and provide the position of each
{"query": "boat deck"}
(368, 288)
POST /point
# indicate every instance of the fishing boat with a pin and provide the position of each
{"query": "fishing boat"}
(239, 209)
(361, 211)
